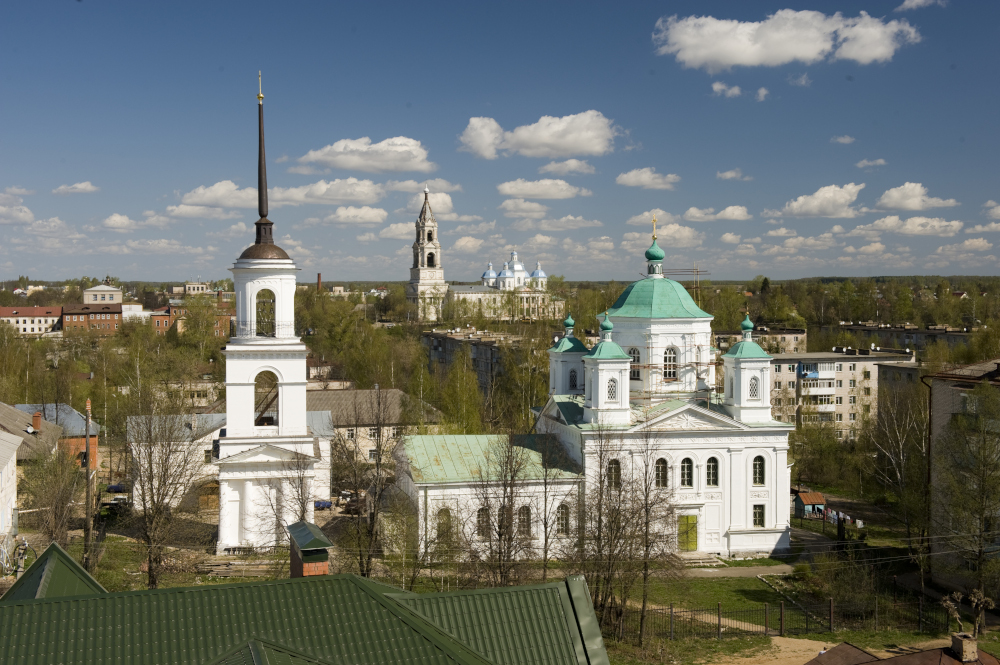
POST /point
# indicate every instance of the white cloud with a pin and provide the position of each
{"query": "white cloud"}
(843, 140)
(483, 227)
(521, 209)
(237, 230)
(400, 231)
(783, 37)
(911, 196)
(16, 214)
(646, 218)
(823, 241)
(731, 238)
(156, 246)
(873, 248)
(829, 201)
(746, 250)
(539, 240)
(78, 188)
(919, 4)
(399, 153)
(587, 133)
(226, 194)
(201, 212)
(721, 89)
(868, 163)
(434, 184)
(992, 227)
(567, 223)
(782, 233)
(297, 250)
(648, 178)
(762, 94)
(801, 81)
(914, 226)
(837, 228)
(12, 196)
(52, 228)
(467, 245)
(441, 204)
(734, 174)
(362, 216)
(970, 245)
(367, 237)
(567, 167)
(731, 213)
(668, 235)
(120, 223)
(992, 209)
(546, 188)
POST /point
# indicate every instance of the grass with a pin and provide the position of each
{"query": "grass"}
(701, 593)
(687, 651)
(777, 560)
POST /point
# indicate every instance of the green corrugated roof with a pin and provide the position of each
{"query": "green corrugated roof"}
(308, 536)
(746, 349)
(262, 652)
(53, 575)
(340, 618)
(542, 616)
(608, 350)
(569, 345)
(452, 458)
(656, 298)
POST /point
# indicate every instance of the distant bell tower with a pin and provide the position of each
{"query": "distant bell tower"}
(427, 288)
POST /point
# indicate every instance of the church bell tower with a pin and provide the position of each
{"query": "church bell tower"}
(427, 288)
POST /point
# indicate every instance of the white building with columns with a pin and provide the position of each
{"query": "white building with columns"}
(648, 385)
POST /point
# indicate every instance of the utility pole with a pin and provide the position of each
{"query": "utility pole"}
(88, 518)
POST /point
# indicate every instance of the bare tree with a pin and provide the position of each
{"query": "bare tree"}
(52, 485)
(286, 501)
(554, 497)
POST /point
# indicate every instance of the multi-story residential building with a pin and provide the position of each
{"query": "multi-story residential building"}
(197, 288)
(102, 293)
(33, 321)
(772, 340)
(905, 336)
(99, 319)
(485, 348)
(164, 318)
(838, 387)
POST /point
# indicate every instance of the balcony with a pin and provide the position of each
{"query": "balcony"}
(251, 329)
(817, 387)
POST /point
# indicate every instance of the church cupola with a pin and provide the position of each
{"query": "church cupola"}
(566, 363)
(747, 379)
(654, 256)
(606, 375)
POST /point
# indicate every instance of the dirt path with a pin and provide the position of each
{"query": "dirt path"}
(783, 651)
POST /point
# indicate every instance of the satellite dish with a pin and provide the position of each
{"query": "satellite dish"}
(30, 430)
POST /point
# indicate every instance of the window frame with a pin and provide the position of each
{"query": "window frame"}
(759, 471)
(712, 472)
(687, 473)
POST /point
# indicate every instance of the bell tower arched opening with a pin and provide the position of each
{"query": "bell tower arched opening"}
(266, 400)
(430, 260)
(264, 317)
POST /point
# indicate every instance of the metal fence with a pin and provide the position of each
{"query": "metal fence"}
(778, 620)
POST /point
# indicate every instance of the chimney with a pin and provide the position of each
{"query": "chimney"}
(964, 647)
(36, 420)
(319, 282)
(309, 555)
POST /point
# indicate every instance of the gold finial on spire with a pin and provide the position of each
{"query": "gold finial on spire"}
(260, 90)
(654, 227)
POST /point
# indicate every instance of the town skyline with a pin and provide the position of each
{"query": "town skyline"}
(795, 142)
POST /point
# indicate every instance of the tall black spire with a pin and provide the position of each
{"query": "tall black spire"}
(263, 247)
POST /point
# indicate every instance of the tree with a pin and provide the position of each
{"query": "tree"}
(554, 496)
(53, 485)
(461, 400)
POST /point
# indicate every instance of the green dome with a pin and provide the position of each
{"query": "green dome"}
(654, 253)
(657, 298)
(747, 324)
(606, 323)
(569, 322)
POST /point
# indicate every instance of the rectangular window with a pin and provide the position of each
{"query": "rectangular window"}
(372, 454)
(840, 433)
(868, 391)
(350, 434)
(840, 367)
(777, 385)
(777, 369)
(777, 401)
(852, 367)
(758, 516)
(796, 338)
(396, 431)
(867, 374)
(102, 297)
(840, 417)
(840, 400)
(840, 384)
(852, 417)
(852, 383)
(791, 368)
(852, 400)
(208, 456)
(791, 385)
(372, 432)
(867, 408)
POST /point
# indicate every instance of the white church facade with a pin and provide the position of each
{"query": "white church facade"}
(648, 386)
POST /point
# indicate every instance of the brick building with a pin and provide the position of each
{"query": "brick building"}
(101, 319)
(33, 321)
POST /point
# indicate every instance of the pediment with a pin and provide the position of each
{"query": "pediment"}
(552, 410)
(265, 453)
(691, 418)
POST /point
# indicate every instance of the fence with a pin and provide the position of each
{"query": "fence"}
(782, 619)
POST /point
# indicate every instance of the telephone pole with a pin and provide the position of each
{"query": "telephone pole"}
(88, 518)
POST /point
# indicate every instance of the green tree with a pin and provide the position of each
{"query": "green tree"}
(461, 399)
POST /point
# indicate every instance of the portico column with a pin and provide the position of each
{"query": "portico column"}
(246, 517)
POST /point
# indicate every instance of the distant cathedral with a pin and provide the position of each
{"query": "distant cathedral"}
(512, 293)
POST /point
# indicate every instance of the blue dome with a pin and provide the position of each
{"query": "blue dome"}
(490, 272)
(538, 272)
(505, 272)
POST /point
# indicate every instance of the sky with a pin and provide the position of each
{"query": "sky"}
(792, 140)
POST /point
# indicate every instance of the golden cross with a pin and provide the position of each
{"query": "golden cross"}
(654, 227)
(260, 90)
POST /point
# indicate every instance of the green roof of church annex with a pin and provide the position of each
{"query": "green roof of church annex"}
(569, 345)
(455, 458)
(54, 574)
(654, 298)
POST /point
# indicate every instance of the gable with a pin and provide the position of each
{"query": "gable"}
(263, 454)
(53, 575)
(690, 418)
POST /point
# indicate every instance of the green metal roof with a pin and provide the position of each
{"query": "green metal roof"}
(262, 652)
(608, 350)
(339, 618)
(569, 345)
(746, 349)
(53, 575)
(308, 536)
(543, 616)
(452, 458)
(656, 298)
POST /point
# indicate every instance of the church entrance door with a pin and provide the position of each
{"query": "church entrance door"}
(687, 533)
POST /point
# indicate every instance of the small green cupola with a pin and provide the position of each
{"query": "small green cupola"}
(569, 323)
(746, 326)
(654, 256)
(606, 325)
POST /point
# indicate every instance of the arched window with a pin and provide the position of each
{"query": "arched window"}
(524, 522)
(444, 524)
(572, 379)
(430, 236)
(264, 314)
(265, 411)
(614, 474)
(754, 388)
(687, 472)
(430, 260)
(670, 364)
(612, 390)
(562, 520)
(712, 472)
(633, 372)
(758, 470)
(662, 479)
(483, 522)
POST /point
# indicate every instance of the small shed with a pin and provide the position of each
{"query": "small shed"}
(809, 504)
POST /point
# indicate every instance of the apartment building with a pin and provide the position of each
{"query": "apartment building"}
(100, 319)
(906, 335)
(772, 340)
(838, 387)
(164, 318)
(485, 348)
(33, 321)
(102, 293)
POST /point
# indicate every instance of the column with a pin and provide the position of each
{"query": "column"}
(246, 517)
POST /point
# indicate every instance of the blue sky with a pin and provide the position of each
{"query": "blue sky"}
(784, 139)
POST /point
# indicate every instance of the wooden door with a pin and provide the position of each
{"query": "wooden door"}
(687, 533)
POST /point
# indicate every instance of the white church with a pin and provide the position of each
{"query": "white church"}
(650, 378)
